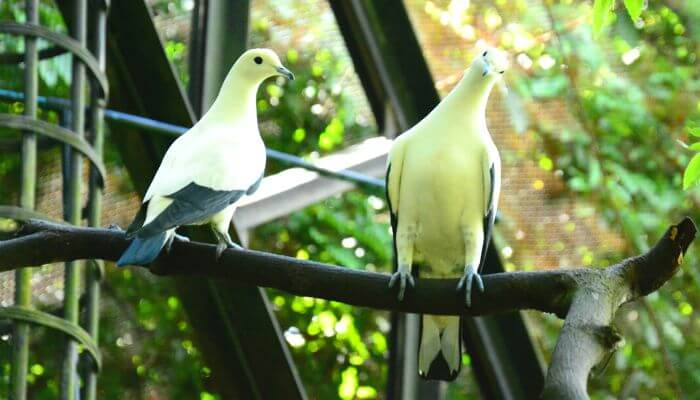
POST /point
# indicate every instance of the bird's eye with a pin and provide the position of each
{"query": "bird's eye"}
(486, 52)
(258, 60)
(502, 72)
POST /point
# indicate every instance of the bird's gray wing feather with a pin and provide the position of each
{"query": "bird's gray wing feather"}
(192, 204)
(490, 215)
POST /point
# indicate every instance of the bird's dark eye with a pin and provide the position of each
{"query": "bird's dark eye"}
(486, 52)
(258, 60)
(502, 72)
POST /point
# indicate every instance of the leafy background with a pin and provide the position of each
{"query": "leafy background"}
(627, 73)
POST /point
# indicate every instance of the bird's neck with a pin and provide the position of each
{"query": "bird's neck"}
(236, 100)
(466, 103)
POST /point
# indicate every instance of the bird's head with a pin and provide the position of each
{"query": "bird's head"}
(260, 64)
(490, 63)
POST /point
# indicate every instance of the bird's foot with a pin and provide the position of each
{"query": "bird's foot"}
(226, 243)
(114, 227)
(402, 276)
(465, 283)
(230, 243)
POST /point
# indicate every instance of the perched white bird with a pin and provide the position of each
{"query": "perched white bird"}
(206, 170)
(443, 183)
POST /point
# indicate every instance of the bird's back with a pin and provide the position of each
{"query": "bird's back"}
(219, 158)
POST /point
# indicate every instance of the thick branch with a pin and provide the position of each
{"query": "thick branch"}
(588, 298)
(587, 336)
(38, 243)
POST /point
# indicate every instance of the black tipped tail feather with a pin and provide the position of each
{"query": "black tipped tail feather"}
(436, 346)
(143, 251)
(440, 371)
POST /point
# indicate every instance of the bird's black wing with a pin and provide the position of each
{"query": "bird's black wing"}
(192, 204)
(489, 217)
(393, 217)
(138, 221)
(254, 187)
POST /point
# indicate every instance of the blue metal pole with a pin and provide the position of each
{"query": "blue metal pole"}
(167, 129)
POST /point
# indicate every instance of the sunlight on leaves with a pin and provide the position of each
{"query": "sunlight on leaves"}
(692, 172)
(601, 14)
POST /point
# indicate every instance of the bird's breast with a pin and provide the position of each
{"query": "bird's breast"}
(445, 192)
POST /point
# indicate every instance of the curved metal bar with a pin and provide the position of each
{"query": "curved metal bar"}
(41, 318)
(58, 133)
(63, 41)
(16, 58)
(23, 214)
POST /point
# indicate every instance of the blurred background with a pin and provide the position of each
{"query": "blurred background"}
(593, 132)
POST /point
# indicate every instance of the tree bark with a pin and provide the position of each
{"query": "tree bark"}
(587, 298)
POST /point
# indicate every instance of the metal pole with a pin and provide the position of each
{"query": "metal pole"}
(69, 377)
(23, 292)
(98, 31)
(164, 128)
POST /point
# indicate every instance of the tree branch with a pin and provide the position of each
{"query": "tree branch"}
(587, 298)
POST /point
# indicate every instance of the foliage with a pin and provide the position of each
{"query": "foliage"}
(632, 91)
(602, 12)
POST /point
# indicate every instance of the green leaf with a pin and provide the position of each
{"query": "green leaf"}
(692, 172)
(595, 174)
(548, 87)
(694, 131)
(634, 8)
(601, 14)
(694, 146)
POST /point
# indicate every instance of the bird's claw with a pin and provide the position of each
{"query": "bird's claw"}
(220, 249)
(222, 246)
(181, 238)
(169, 243)
(403, 277)
(114, 227)
(465, 283)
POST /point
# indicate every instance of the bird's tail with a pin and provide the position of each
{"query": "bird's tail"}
(143, 251)
(440, 348)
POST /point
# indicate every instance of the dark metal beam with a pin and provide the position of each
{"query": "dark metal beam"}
(217, 27)
(220, 37)
(390, 63)
(387, 58)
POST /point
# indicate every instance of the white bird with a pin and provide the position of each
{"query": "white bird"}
(443, 183)
(206, 170)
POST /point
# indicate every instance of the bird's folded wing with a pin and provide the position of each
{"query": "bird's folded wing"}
(492, 187)
(393, 186)
(214, 164)
(190, 205)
